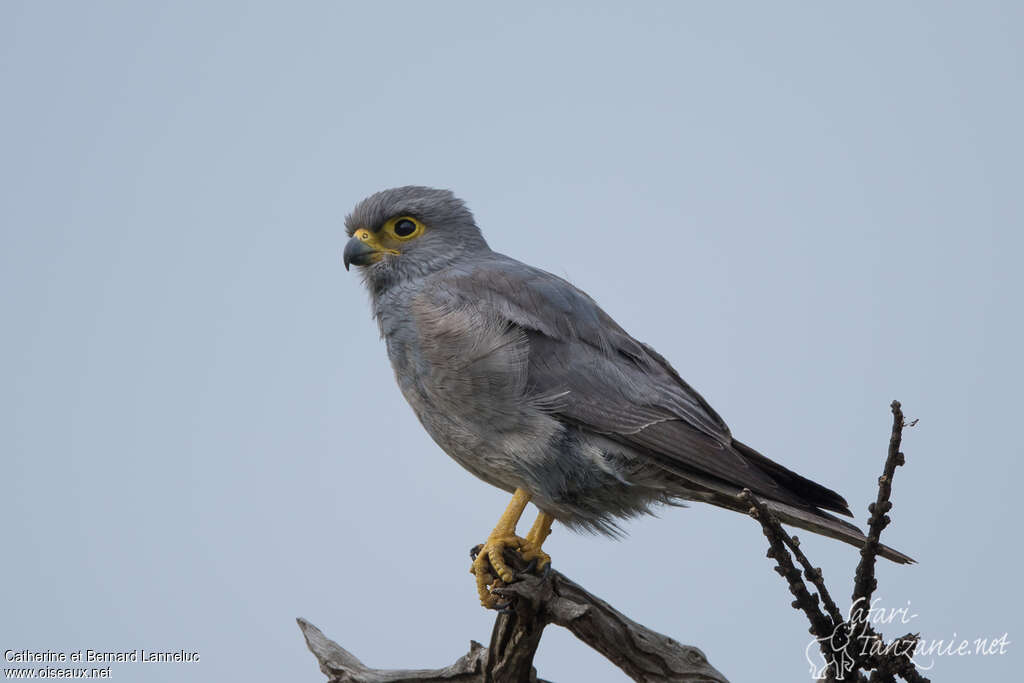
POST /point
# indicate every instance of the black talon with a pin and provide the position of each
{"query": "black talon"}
(475, 550)
(547, 570)
(531, 568)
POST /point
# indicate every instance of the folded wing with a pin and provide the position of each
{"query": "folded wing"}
(610, 383)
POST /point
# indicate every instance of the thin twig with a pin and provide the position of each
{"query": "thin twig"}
(814, 575)
(864, 582)
(821, 625)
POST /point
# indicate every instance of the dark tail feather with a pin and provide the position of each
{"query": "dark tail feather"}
(818, 496)
(812, 492)
(724, 495)
(827, 525)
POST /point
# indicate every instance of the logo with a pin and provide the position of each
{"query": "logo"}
(857, 638)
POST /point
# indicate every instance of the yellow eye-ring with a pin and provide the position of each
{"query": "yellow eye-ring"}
(403, 228)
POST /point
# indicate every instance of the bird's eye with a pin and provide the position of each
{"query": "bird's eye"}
(404, 227)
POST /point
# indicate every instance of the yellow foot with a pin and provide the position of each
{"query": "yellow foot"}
(539, 532)
(531, 551)
(490, 567)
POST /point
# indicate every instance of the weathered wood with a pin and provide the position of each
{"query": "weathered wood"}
(642, 654)
(534, 602)
(341, 666)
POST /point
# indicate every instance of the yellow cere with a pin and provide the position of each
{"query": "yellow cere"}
(395, 231)
(373, 241)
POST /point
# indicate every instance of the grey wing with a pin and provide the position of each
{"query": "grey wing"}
(611, 384)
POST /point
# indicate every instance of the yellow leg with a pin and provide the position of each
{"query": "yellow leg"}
(535, 538)
(503, 536)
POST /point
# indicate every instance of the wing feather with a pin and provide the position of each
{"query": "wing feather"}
(610, 383)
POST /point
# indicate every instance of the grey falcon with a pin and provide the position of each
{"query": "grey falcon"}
(523, 380)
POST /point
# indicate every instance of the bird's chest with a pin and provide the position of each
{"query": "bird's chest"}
(465, 377)
(455, 366)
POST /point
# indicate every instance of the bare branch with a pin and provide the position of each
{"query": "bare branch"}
(643, 654)
(822, 627)
(341, 666)
(849, 647)
(535, 601)
(864, 582)
(813, 574)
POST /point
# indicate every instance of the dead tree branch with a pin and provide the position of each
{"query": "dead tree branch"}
(864, 583)
(535, 602)
(849, 646)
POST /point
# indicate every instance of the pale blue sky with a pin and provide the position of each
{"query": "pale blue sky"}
(200, 435)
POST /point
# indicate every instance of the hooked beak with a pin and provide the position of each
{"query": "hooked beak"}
(363, 249)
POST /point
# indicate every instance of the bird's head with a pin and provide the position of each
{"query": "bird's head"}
(408, 232)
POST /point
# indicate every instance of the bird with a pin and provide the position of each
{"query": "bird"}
(527, 383)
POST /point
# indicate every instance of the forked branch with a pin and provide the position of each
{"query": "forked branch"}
(849, 646)
(535, 602)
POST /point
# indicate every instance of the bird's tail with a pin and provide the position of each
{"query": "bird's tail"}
(809, 518)
(816, 496)
(827, 525)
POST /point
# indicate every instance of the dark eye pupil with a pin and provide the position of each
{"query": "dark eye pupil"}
(405, 227)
